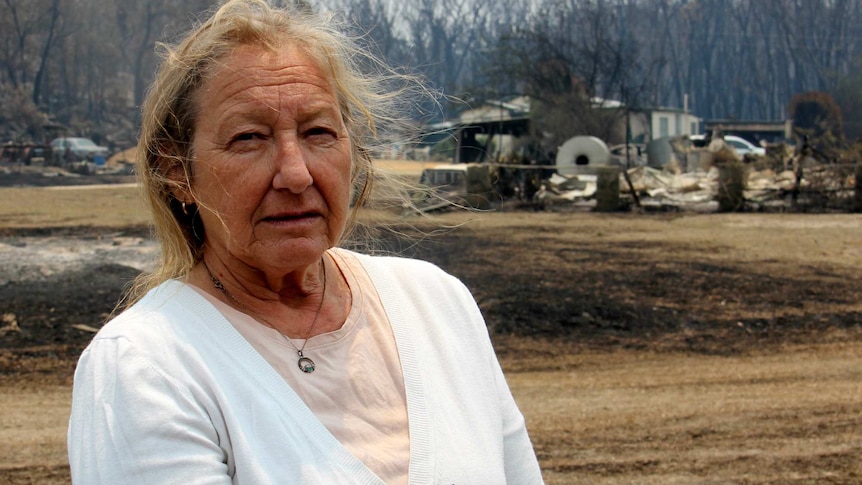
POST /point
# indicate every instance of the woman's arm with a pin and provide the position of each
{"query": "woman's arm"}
(132, 423)
(520, 458)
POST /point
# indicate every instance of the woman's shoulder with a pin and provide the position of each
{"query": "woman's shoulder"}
(152, 317)
(169, 328)
(408, 275)
(392, 262)
(403, 269)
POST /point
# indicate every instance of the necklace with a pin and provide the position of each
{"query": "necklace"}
(305, 364)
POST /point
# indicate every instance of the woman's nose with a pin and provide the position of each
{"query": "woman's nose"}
(291, 165)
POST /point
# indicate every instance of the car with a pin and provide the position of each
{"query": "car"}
(743, 147)
(738, 144)
(79, 148)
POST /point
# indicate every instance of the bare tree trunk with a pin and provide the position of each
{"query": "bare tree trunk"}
(46, 50)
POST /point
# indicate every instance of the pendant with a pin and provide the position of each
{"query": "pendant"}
(305, 364)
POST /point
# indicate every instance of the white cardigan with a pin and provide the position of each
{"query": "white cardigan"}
(170, 393)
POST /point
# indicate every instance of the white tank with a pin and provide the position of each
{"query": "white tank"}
(581, 154)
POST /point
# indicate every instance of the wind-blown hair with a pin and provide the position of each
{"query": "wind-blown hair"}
(363, 88)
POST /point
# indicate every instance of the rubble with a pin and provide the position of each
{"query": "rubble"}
(702, 175)
(560, 188)
(767, 182)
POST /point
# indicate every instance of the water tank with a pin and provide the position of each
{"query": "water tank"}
(581, 154)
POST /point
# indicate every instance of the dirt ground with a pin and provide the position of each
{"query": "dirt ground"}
(648, 348)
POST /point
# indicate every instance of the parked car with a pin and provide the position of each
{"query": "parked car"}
(738, 144)
(79, 148)
(742, 146)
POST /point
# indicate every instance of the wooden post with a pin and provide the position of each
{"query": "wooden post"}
(607, 188)
(731, 186)
(858, 186)
(478, 186)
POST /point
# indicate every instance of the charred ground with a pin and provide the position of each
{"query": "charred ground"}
(564, 294)
(537, 282)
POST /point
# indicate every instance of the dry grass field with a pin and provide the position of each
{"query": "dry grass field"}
(642, 349)
(787, 417)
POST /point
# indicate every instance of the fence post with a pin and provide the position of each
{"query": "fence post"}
(607, 188)
(731, 186)
(858, 186)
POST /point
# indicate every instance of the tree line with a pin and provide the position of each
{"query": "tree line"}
(82, 66)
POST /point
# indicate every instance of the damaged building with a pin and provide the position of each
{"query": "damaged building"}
(497, 156)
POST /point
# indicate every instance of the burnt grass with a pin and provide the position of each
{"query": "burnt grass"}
(648, 296)
(643, 295)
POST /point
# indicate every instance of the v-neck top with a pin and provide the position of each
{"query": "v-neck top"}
(357, 387)
(170, 391)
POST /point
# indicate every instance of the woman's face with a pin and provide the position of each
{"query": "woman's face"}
(271, 166)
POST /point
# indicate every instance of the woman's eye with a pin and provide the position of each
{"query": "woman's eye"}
(246, 141)
(321, 134)
(246, 137)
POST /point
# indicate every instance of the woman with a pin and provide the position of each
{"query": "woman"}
(259, 352)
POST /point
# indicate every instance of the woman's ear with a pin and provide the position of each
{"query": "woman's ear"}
(179, 183)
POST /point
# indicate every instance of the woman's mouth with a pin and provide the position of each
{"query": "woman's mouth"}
(294, 217)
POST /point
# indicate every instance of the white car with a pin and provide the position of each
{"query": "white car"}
(742, 146)
(739, 145)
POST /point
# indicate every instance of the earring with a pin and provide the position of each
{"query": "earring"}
(185, 211)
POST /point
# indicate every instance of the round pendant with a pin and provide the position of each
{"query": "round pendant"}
(306, 365)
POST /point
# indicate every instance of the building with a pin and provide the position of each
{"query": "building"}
(497, 129)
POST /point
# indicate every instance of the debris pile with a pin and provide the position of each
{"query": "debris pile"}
(780, 180)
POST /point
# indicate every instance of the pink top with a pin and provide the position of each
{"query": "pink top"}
(357, 388)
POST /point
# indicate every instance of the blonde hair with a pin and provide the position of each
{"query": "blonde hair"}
(363, 88)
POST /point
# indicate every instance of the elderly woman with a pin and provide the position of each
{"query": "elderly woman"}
(259, 352)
